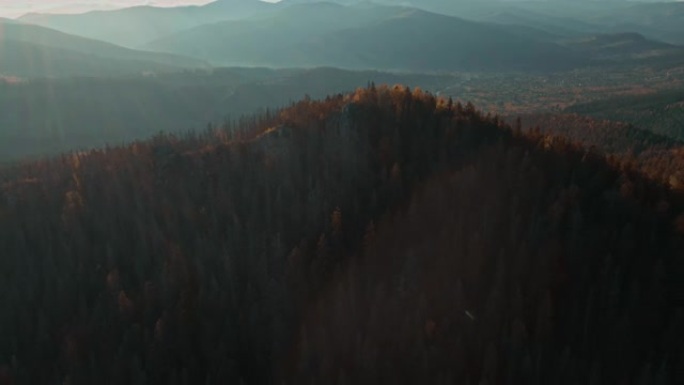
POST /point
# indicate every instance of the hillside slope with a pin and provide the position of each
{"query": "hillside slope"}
(659, 157)
(380, 237)
(47, 117)
(661, 112)
(32, 51)
(623, 46)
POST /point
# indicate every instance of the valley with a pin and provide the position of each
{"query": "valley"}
(342, 192)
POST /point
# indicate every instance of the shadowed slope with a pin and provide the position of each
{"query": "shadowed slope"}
(250, 254)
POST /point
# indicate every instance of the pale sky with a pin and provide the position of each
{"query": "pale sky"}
(15, 8)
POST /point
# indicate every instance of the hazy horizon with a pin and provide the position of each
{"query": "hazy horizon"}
(17, 8)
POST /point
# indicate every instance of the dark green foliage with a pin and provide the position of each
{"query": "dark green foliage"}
(339, 241)
(659, 157)
(529, 265)
(662, 112)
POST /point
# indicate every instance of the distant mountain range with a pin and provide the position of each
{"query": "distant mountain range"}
(369, 37)
(431, 35)
(135, 26)
(33, 51)
(655, 20)
(621, 45)
(660, 21)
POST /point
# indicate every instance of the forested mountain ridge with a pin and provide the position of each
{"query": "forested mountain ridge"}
(659, 157)
(626, 49)
(49, 116)
(660, 112)
(382, 236)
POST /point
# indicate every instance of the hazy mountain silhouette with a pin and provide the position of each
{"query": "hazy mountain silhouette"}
(626, 49)
(662, 21)
(366, 36)
(33, 51)
(656, 20)
(135, 26)
(554, 24)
